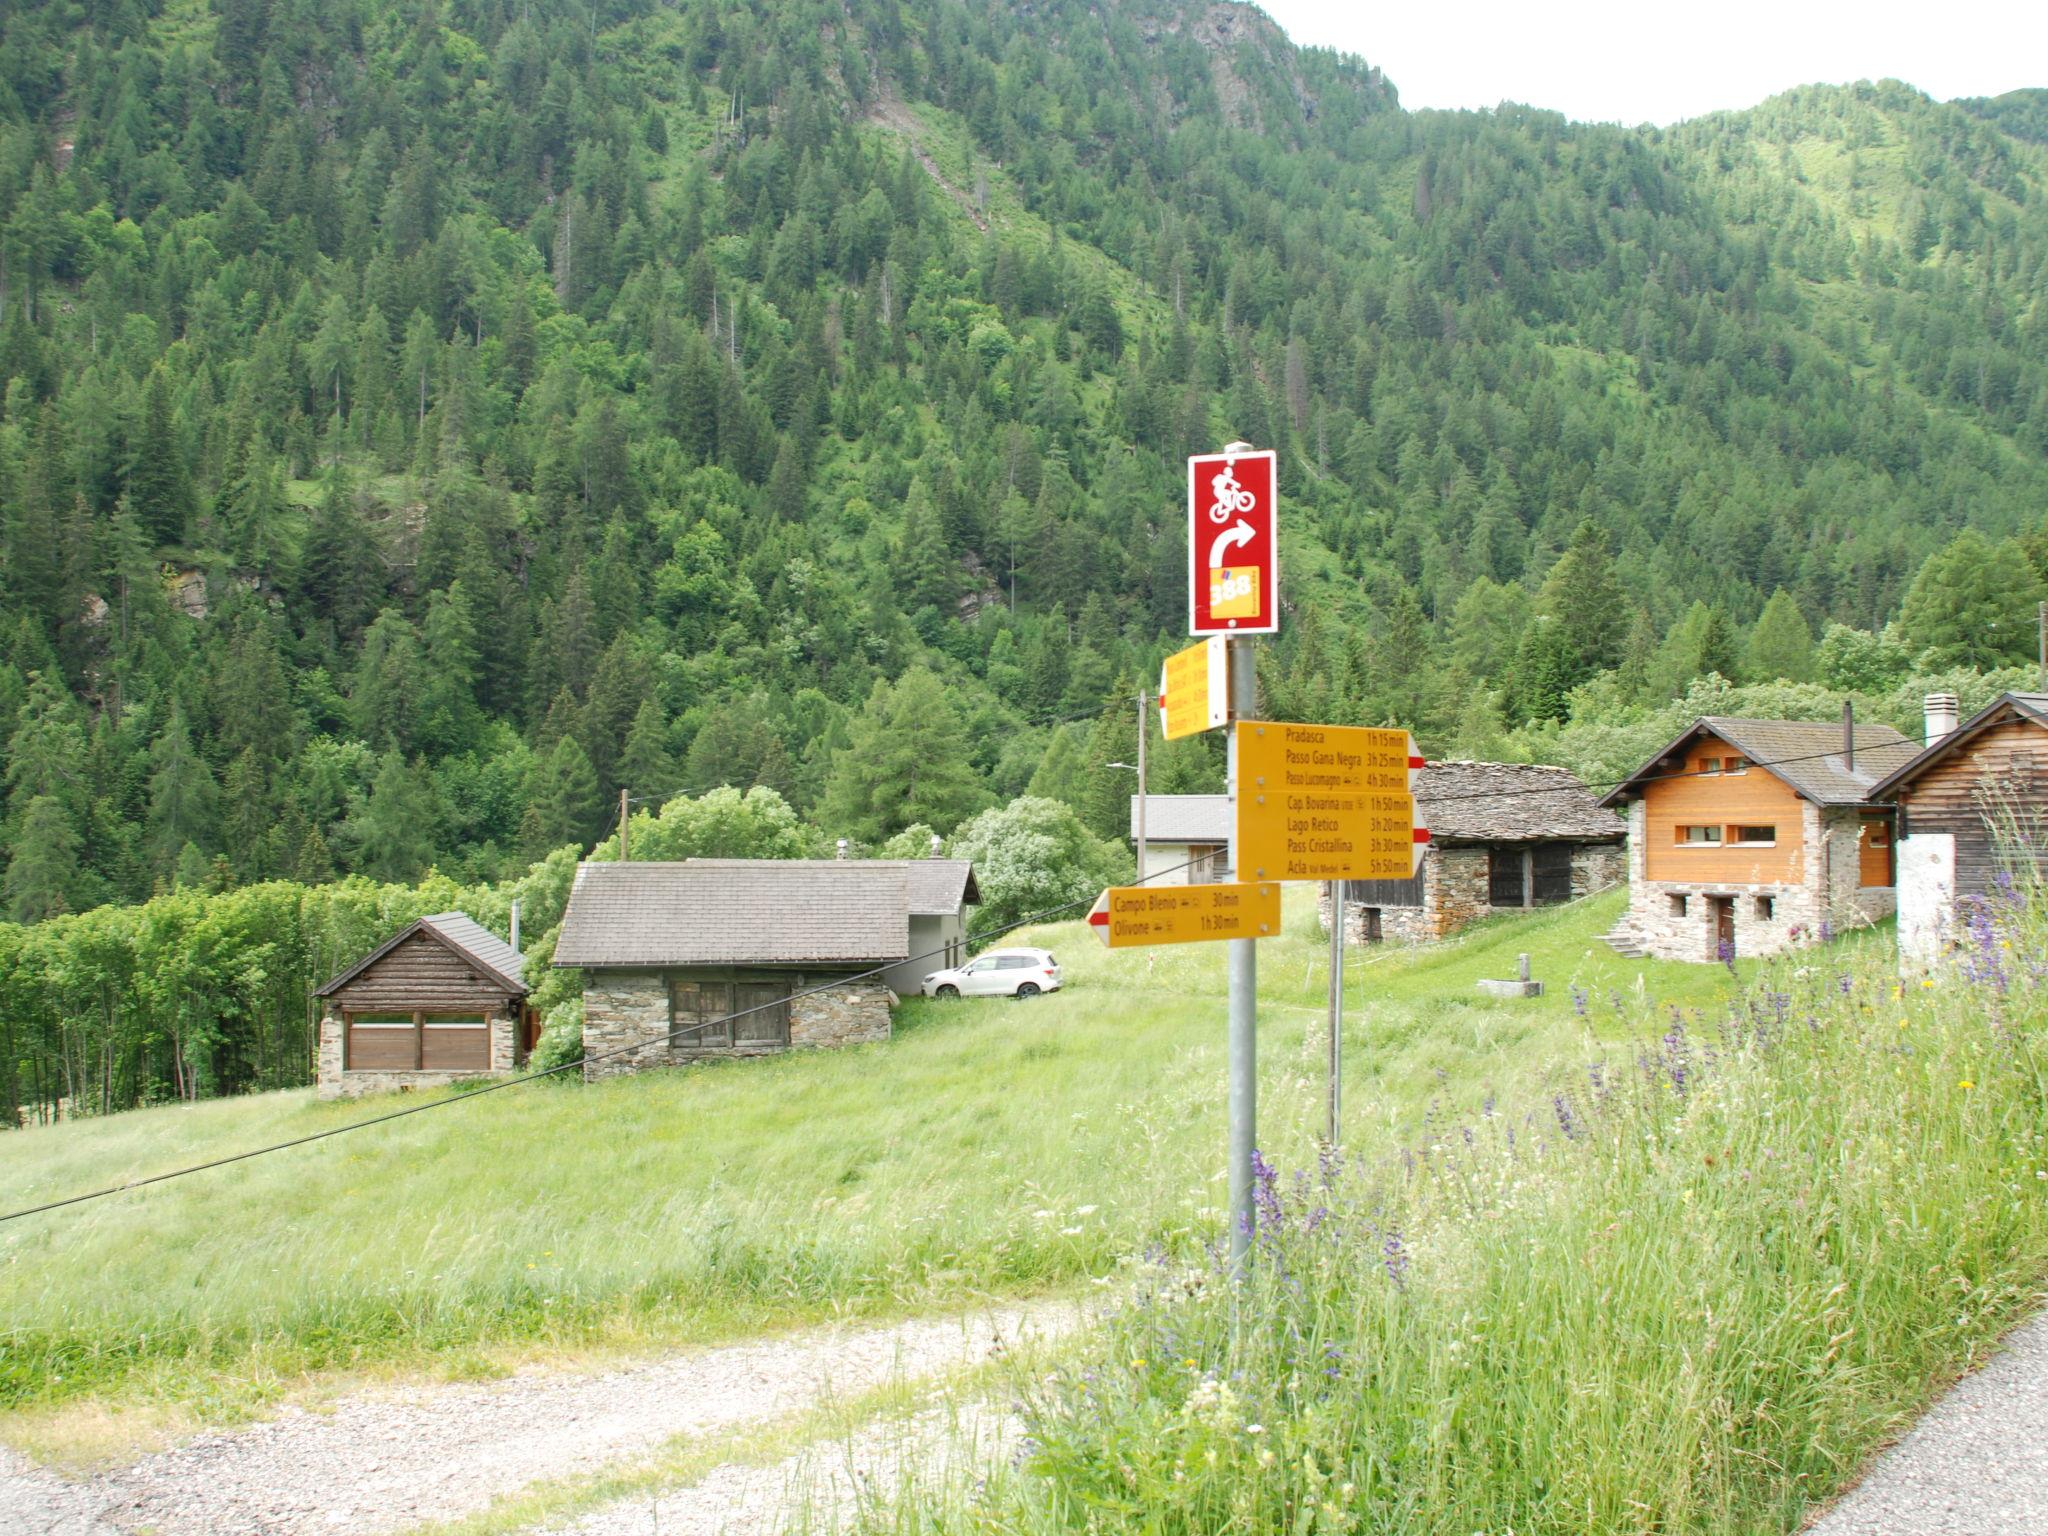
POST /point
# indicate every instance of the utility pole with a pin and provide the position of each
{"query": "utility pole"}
(623, 803)
(1144, 703)
(1244, 994)
(2044, 647)
(1336, 1009)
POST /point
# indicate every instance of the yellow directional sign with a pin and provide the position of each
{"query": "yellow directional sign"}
(1125, 915)
(1325, 802)
(1194, 689)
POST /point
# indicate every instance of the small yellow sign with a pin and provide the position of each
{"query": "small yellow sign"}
(1194, 689)
(1127, 915)
(1325, 802)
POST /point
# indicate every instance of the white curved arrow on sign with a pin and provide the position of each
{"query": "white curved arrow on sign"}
(1240, 532)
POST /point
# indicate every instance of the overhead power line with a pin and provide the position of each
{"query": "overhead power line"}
(674, 1034)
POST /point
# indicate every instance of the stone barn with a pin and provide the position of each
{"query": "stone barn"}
(1502, 837)
(747, 957)
(444, 998)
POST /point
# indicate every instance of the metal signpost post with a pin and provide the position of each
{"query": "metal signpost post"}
(1234, 590)
(1336, 1012)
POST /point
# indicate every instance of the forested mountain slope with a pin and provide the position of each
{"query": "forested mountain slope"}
(420, 419)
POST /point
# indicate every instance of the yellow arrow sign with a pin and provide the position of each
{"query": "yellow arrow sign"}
(1126, 915)
(1194, 689)
(1325, 802)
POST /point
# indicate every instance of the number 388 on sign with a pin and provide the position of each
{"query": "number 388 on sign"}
(1234, 592)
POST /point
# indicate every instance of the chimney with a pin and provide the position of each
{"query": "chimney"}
(938, 845)
(515, 925)
(1944, 710)
(842, 848)
(1848, 737)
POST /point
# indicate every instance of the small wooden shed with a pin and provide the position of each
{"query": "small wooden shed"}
(442, 999)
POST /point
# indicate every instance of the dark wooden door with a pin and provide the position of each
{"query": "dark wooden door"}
(1724, 924)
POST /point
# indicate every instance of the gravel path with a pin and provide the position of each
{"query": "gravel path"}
(380, 1463)
(1976, 1465)
(827, 1483)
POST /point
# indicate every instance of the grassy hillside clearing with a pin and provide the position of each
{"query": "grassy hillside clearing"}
(1689, 1293)
(990, 1148)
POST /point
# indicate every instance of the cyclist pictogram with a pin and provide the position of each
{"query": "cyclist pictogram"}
(1231, 499)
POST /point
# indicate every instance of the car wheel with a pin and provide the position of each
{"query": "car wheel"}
(1027, 989)
(949, 990)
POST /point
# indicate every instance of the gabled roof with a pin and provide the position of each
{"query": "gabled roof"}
(2001, 710)
(1510, 803)
(1184, 818)
(475, 945)
(1805, 754)
(737, 912)
(937, 887)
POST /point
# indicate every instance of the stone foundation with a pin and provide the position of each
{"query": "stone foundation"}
(626, 1021)
(333, 1082)
(1827, 899)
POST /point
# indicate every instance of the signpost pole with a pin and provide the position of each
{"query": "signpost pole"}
(1336, 1007)
(1244, 988)
(1144, 704)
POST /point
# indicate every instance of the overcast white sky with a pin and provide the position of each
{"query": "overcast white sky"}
(1651, 62)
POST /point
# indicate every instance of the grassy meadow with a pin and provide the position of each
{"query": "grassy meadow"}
(991, 1148)
(1689, 1290)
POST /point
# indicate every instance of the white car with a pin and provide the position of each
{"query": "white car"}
(998, 973)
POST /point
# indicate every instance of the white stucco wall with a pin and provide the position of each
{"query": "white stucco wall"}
(1927, 897)
(1166, 863)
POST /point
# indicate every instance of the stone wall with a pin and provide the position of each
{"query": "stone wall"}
(332, 1082)
(856, 1013)
(625, 1022)
(1456, 890)
(1826, 897)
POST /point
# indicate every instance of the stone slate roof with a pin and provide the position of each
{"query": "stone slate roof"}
(737, 912)
(462, 933)
(2015, 706)
(1464, 802)
(1806, 754)
(1184, 818)
(1457, 801)
(937, 887)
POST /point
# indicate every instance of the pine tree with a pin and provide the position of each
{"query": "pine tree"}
(1781, 645)
(42, 874)
(394, 830)
(907, 760)
(565, 793)
(646, 766)
(1584, 594)
(155, 483)
(1973, 605)
(182, 794)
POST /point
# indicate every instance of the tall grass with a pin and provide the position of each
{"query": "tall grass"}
(1686, 1294)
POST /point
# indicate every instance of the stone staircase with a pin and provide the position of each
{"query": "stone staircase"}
(1623, 941)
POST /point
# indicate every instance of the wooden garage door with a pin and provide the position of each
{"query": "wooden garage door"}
(383, 1042)
(455, 1043)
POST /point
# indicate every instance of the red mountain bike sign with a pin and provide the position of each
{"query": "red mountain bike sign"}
(1233, 544)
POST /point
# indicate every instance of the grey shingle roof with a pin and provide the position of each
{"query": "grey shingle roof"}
(1806, 754)
(740, 912)
(1184, 818)
(937, 887)
(1510, 803)
(461, 933)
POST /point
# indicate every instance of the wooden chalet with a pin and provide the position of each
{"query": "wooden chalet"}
(443, 998)
(1749, 836)
(1972, 813)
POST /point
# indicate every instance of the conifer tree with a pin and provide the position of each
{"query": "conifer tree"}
(42, 872)
(1781, 645)
(182, 795)
(907, 760)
